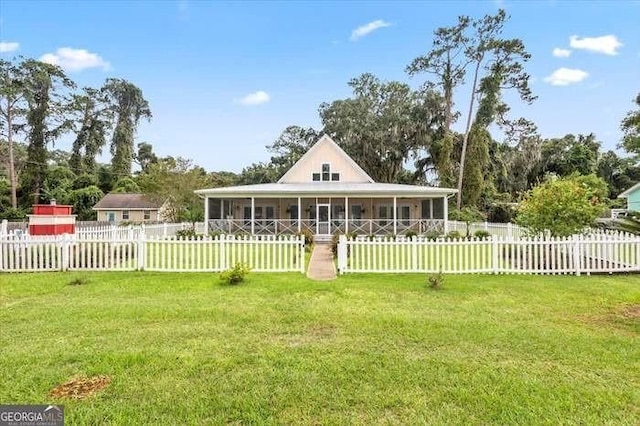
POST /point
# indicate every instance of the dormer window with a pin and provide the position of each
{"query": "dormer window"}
(326, 175)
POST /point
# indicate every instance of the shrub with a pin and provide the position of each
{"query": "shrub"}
(563, 206)
(186, 233)
(481, 233)
(435, 281)
(432, 235)
(410, 234)
(453, 234)
(308, 237)
(236, 274)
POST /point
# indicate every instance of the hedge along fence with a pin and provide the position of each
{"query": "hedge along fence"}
(597, 253)
(212, 254)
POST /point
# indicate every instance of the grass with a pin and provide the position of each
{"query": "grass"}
(182, 349)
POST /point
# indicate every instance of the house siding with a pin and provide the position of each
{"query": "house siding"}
(633, 201)
(326, 153)
(134, 215)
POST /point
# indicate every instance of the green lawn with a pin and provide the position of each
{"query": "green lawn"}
(182, 349)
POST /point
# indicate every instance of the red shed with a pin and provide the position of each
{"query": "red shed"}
(51, 219)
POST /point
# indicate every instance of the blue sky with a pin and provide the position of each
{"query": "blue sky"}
(224, 79)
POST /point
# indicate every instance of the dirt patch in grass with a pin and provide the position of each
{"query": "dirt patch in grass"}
(80, 387)
(625, 318)
(318, 333)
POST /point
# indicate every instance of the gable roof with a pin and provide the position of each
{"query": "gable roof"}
(325, 140)
(126, 201)
(628, 192)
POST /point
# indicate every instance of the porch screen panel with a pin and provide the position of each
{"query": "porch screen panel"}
(404, 214)
(356, 212)
(438, 208)
(214, 208)
(426, 209)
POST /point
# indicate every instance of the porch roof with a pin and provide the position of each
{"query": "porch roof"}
(326, 189)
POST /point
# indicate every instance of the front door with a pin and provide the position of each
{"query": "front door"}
(323, 224)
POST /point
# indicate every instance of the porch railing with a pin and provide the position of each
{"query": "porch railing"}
(357, 226)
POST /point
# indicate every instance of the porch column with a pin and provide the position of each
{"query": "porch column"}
(445, 214)
(346, 215)
(395, 215)
(206, 215)
(299, 215)
(253, 215)
(222, 216)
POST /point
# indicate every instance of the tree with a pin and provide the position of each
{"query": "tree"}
(175, 179)
(145, 155)
(93, 122)
(83, 200)
(126, 185)
(292, 143)
(447, 62)
(563, 206)
(128, 106)
(631, 127)
(11, 110)
(44, 86)
(383, 124)
(569, 154)
(496, 65)
(619, 173)
(259, 173)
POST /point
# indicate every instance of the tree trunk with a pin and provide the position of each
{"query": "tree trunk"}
(466, 135)
(12, 167)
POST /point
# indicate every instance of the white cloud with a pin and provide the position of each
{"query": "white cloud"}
(75, 59)
(255, 98)
(566, 76)
(365, 29)
(8, 46)
(608, 44)
(561, 53)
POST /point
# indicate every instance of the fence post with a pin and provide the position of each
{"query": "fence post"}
(142, 252)
(222, 249)
(4, 227)
(414, 253)
(65, 256)
(577, 255)
(342, 253)
(494, 254)
(301, 252)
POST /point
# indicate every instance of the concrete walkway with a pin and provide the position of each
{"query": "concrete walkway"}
(321, 265)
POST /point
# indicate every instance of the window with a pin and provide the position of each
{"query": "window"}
(125, 214)
(147, 215)
(326, 167)
(111, 216)
(403, 214)
(316, 177)
(335, 177)
(293, 212)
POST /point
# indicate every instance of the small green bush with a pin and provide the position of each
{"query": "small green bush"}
(432, 235)
(481, 233)
(236, 274)
(410, 234)
(186, 233)
(435, 281)
(308, 237)
(454, 234)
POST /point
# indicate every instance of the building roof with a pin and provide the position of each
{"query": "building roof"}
(326, 189)
(628, 192)
(126, 201)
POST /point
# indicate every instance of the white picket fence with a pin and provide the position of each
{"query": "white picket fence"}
(596, 253)
(500, 229)
(211, 254)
